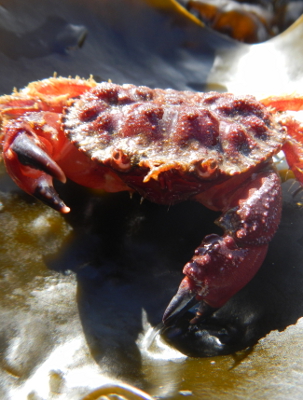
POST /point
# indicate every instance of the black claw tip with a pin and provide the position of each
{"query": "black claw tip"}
(49, 196)
(33, 156)
(179, 304)
(183, 301)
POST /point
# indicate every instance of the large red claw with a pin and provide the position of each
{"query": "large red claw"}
(33, 170)
(218, 270)
(222, 265)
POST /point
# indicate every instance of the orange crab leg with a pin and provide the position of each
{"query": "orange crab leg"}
(293, 147)
(284, 103)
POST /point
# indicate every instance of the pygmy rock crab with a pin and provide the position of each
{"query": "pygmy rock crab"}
(169, 146)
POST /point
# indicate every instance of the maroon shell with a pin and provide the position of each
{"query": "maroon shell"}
(155, 127)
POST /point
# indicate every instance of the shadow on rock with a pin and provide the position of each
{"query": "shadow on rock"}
(128, 258)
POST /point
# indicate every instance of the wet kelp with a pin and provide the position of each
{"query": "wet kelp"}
(80, 294)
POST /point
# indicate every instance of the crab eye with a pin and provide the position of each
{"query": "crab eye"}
(120, 160)
(207, 168)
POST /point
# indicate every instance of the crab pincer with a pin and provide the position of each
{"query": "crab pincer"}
(35, 170)
(27, 159)
(221, 266)
(33, 140)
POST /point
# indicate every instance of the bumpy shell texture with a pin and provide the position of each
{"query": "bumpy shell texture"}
(129, 126)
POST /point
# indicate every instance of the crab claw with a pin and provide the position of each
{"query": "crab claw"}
(33, 156)
(185, 299)
(218, 270)
(223, 265)
(33, 170)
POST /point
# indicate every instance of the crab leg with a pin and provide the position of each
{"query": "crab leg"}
(222, 265)
(293, 147)
(283, 103)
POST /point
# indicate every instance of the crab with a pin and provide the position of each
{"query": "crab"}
(170, 146)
